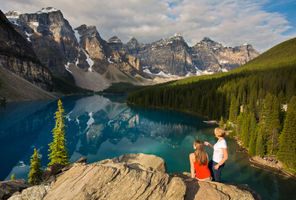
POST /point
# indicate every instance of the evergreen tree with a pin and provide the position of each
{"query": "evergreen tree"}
(287, 149)
(253, 134)
(270, 116)
(35, 175)
(245, 129)
(221, 123)
(275, 127)
(239, 125)
(282, 98)
(58, 152)
(266, 110)
(260, 141)
(12, 177)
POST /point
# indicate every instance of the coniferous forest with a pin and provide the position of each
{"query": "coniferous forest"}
(257, 100)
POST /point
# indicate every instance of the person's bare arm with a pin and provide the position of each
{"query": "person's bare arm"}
(225, 157)
(208, 144)
(191, 159)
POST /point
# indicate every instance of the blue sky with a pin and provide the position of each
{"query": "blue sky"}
(287, 8)
(262, 23)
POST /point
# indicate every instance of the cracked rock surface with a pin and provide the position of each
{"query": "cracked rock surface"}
(131, 176)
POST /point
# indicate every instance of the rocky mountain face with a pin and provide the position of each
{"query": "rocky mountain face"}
(18, 56)
(102, 54)
(130, 176)
(81, 55)
(16, 88)
(212, 56)
(173, 56)
(51, 36)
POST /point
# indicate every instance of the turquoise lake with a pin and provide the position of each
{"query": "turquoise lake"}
(100, 127)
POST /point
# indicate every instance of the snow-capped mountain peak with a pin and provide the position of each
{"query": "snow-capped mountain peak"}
(47, 10)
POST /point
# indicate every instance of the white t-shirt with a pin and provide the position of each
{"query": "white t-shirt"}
(218, 152)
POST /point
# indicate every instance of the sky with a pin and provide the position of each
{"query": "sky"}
(262, 23)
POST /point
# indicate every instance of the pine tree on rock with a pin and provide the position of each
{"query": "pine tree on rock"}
(12, 177)
(35, 174)
(58, 152)
(287, 149)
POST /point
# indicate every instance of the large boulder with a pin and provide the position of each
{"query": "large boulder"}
(143, 161)
(131, 176)
(35, 192)
(7, 188)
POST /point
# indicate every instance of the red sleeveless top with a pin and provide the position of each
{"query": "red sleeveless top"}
(201, 171)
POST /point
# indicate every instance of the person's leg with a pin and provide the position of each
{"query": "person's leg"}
(205, 179)
(217, 173)
(210, 165)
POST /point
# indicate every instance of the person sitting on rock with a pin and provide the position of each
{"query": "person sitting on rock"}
(220, 154)
(199, 162)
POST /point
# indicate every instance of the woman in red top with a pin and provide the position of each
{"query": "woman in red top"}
(199, 162)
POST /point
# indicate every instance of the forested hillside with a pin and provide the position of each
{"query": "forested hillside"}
(254, 98)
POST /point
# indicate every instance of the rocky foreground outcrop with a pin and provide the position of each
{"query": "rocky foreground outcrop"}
(7, 188)
(131, 176)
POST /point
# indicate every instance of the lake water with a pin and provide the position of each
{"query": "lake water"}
(103, 127)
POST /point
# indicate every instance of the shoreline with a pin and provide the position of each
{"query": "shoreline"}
(261, 163)
(258, 162)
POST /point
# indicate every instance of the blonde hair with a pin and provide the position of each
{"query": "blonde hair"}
(219, 132)
(200, 153)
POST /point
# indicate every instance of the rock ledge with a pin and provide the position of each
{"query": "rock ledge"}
(131, 176)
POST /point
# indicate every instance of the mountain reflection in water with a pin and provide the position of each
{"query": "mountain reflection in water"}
(100, 127)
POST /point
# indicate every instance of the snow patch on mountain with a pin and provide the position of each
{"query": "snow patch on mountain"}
(13, 17)
(161, 73)
(67, 67)
(147, 71)
(89, 61)
(34, 24)
(109, 60)
(12, 14)
(28, 36)
(223, 62)
(47, 10)
(77, 36)
(77, 62)
(206, 72)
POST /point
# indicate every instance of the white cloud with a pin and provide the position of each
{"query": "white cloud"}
(227, 21)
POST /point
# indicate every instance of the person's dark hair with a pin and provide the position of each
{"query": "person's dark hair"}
(200, 153)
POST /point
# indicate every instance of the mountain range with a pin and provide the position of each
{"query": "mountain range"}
(81, 57)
